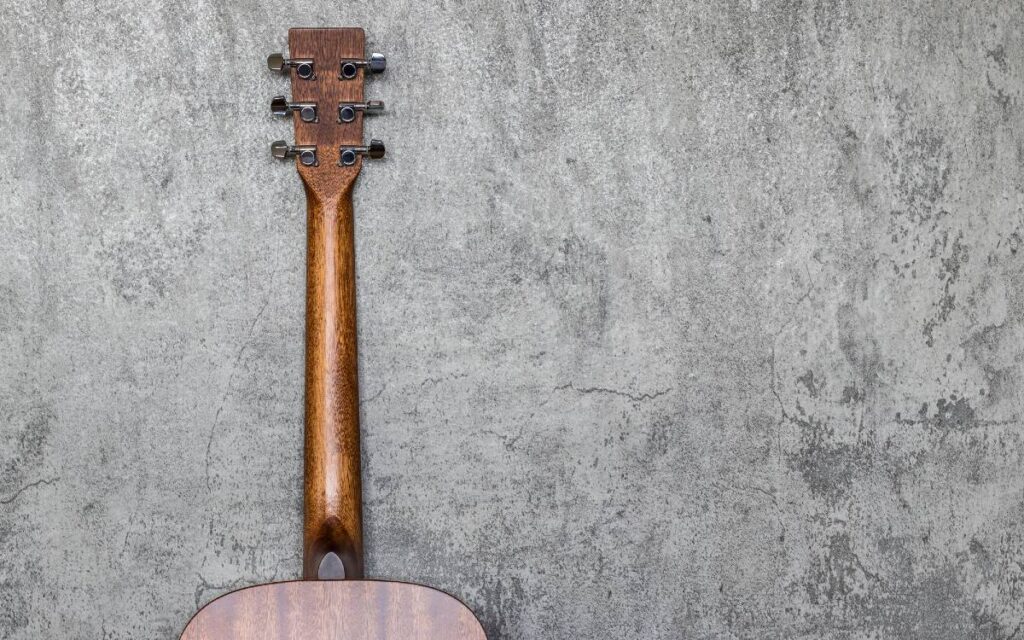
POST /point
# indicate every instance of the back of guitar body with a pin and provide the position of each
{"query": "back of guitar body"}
(335, 610)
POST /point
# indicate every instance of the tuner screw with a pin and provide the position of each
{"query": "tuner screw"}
(347, 110)
(305, 153)
(348, 155)
(376, 64)
(303, 66)
(280, 106)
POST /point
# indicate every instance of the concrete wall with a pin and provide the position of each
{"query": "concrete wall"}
(678, 320)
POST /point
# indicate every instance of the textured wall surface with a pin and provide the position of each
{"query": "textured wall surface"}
(678, 320)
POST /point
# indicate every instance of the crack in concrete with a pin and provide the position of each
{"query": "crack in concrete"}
(436, 381)
(231, 379)
(374, 397)
(31, 485)
(205, 586)
(642, 397)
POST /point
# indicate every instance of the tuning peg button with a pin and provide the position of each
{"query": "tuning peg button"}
(374, 151)
(303, 66)
(305, 153)
(377, 63)
(347, 110)
(280, 106)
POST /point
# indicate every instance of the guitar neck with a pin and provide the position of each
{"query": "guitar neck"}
(333, 493)
(327, 69)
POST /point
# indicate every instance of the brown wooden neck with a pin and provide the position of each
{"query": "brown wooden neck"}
(333, 489)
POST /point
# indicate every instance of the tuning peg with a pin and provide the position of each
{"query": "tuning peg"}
(347, 110)
(280, 106)
(374, 151)
(303, 66)
(306, 154)
(376, 64)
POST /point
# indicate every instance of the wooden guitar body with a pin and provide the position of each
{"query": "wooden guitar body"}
(335, 610)
(332, 602)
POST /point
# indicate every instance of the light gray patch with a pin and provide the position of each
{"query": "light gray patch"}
(147, 261)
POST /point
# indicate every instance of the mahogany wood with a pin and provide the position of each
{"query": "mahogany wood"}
(333, 493)
(335, 610)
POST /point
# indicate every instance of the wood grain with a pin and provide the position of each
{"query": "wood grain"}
(333, 491)
(334, 610)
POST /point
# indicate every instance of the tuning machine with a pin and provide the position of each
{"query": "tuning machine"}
(376, 63)
(303, 66)
(347, 110)
(305, 153)
(280, 106)
(348, 154)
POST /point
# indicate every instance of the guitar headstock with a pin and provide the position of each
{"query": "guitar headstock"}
(328, 68)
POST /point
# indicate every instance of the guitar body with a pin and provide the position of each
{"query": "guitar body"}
(335, 610)
(333, 602)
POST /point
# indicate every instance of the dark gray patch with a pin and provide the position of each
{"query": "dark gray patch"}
(951, 414)
(858, 346)
(908, 596)
(828, 468)
(952, 259)
(984, 347)
(499, 599)
(861, 183)
(814, 387)
(998, 55)
(852, 395)
(659, 437)
(14, 609)
(838, 573)
(999, 95)
(919, 160)
(30, 443)
(577, 277)
(830, 20)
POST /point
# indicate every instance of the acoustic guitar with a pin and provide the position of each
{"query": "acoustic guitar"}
(333, 602)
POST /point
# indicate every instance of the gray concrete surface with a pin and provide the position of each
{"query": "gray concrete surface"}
(678, 320)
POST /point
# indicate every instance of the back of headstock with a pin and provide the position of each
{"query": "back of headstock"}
(328, 68)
